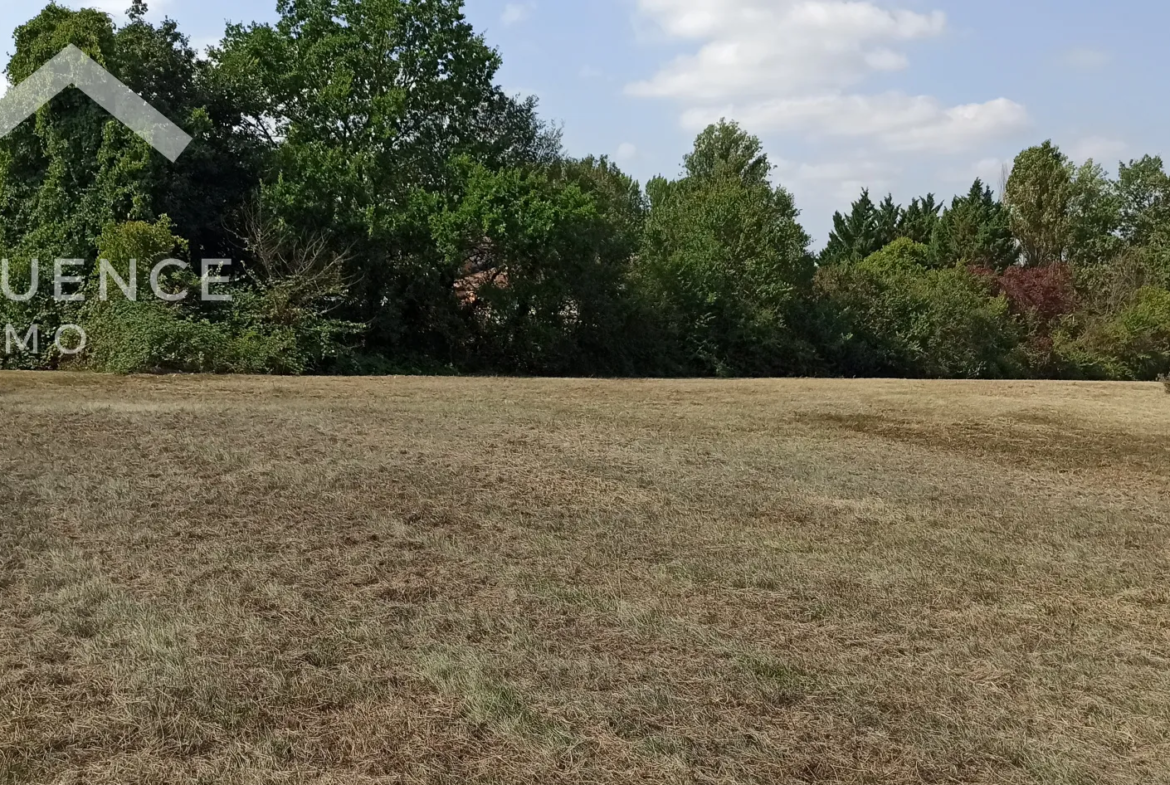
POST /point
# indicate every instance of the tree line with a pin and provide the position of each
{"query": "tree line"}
(391, 209)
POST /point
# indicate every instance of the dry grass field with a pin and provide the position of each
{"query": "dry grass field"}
(214, 580)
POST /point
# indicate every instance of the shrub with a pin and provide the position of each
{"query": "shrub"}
(1132, 343)
(1040, 294)
(1165, 380)
(144, 243)
(893, 317)
(152, 337)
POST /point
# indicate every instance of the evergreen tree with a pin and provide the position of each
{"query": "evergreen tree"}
(888, 222)
(974, 231)
(854, 236)
(920, 219)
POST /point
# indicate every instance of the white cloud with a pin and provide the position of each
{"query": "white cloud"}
(795, 66)
(626, 151)
(779, 47)
(1101, 149)
(1085, 59)
(841, 180)
(515, 13)
(900, 122)
(992, 171)
(117, 8)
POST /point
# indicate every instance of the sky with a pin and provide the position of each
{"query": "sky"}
(900, 96)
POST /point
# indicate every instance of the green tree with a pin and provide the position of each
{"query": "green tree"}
(895, 316)
(366, 104)
(1094, 218)
(725, 261)
(548, 262)
(854, 236)
(725, 150)
(868, 227)
(974, 231)
(1038, 195)
(920, 219)
(889, 221)
(75, 169)
(1143, 189)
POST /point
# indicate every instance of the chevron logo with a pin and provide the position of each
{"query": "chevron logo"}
(74, 68)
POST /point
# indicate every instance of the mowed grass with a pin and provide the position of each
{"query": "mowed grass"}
(480, 580)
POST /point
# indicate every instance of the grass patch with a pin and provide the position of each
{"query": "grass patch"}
(239, 580)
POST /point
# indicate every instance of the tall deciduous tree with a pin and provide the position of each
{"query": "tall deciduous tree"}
(724, 259)
(367, 103)
(724, 149)
(1038, 194)
(1143, 189)
(1094, 216)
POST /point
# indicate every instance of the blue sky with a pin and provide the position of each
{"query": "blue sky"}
(907, 96)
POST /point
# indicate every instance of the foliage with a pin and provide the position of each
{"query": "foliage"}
(920, 219)
(1038, 194)
(974, 231)
(899, 317)
(1143, 192)
(1094, 217)
(1133, 343)
(541, 265)
(724, 260)
(367, 103)
(868, 228)
(1042, 295)
(854, 236)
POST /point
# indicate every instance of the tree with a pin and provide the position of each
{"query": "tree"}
(895, 316)
(367, 104)
(1094, 217)
(920, 219)
(888, 222)
(76, 169)
(542, 262)
(854, 236)
(1143, 190)
(724, 261)
(618, 196)
(974, 232)
(869, 228)
(1038, 194)
(725, 150)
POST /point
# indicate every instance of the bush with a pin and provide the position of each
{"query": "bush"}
(1165, 380)
(153, 337)
(1130, 344)
(1039, 294)
(890, 316)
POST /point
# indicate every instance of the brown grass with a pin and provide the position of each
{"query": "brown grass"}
(449, 581)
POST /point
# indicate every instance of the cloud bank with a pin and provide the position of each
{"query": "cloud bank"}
(801, 66)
